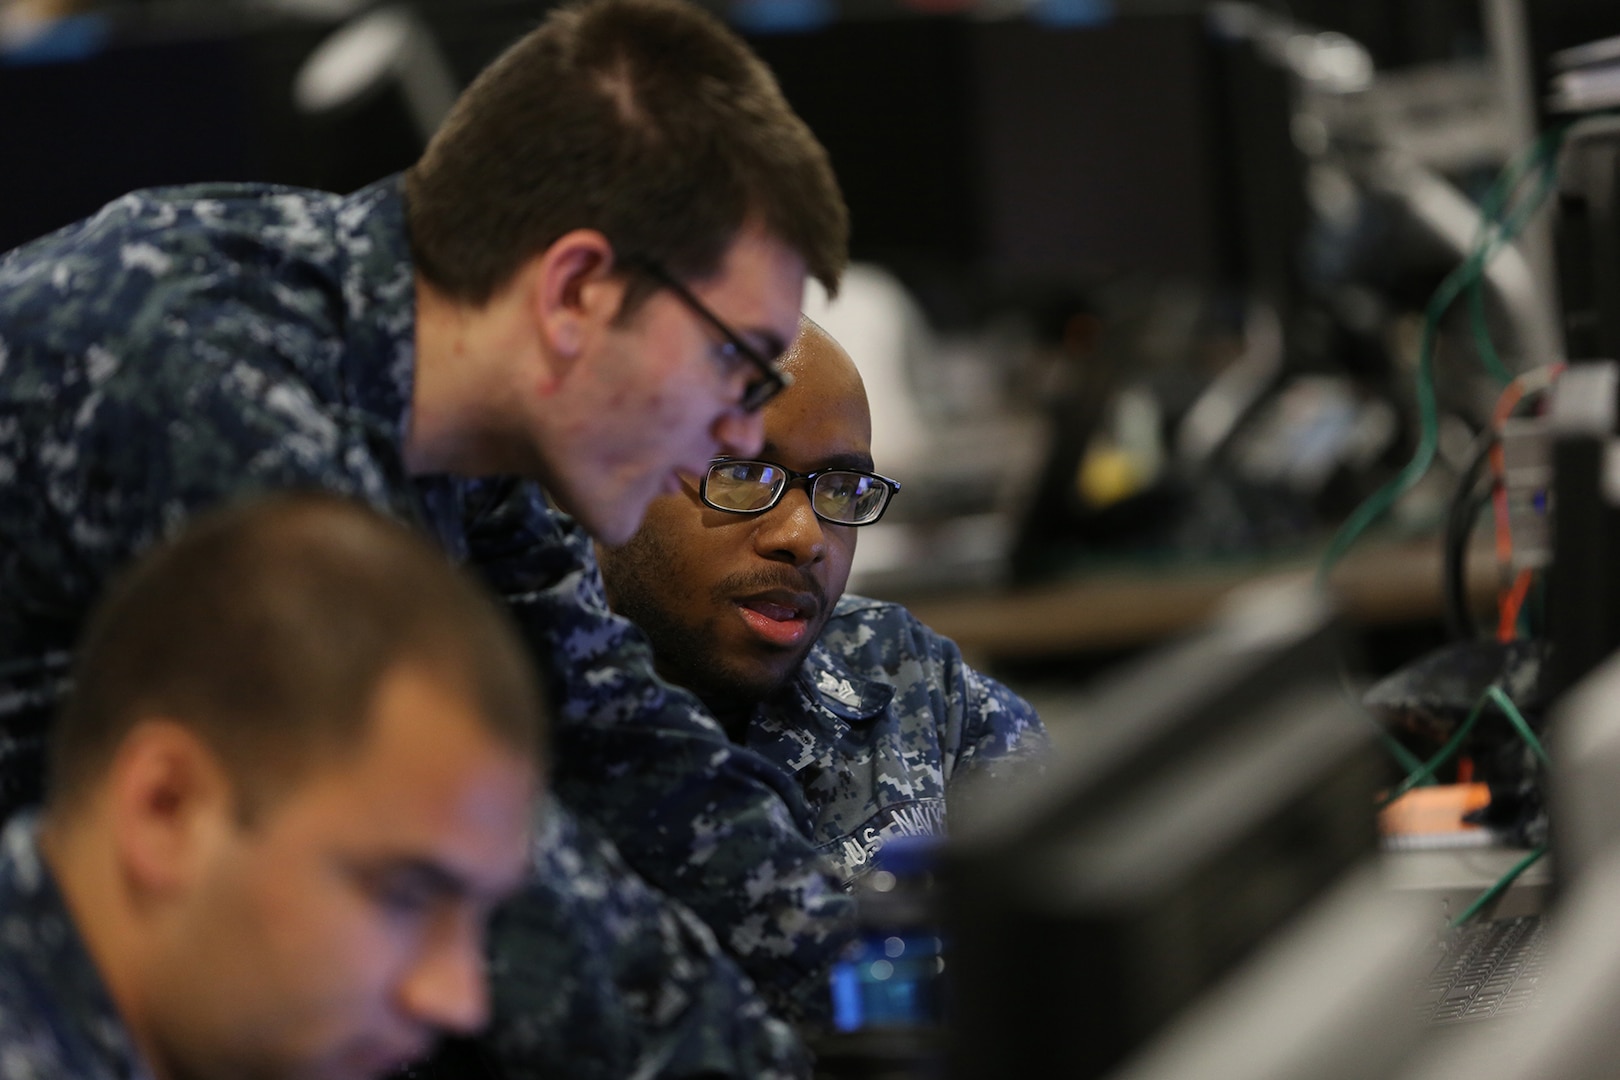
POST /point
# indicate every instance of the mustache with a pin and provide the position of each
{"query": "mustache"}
(748, 582)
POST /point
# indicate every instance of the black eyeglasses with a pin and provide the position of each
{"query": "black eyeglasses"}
(841, 496)
(759, 390)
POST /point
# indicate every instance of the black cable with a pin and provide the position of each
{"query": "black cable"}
(1461, 513)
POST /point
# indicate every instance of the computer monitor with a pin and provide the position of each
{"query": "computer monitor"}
(1224, 785)
(1013, 150)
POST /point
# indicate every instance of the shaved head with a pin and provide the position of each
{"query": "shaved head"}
(815, 355)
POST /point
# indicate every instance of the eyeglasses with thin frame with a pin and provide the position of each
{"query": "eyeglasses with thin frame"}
(769, 382)
(840, 496)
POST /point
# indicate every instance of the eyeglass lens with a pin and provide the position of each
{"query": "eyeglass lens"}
(850, 498)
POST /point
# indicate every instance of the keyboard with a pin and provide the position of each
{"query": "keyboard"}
(1486, 969)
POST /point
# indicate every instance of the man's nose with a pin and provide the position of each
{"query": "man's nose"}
(790, 531)
(449, 987)
(739, 433)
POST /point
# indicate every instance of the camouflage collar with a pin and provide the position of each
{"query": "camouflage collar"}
(822, 706)
(40, 944)
(379, 294)
(832, 686)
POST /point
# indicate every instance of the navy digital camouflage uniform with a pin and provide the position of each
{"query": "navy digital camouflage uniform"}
(879, 723)
(191, 345)
(57, 1019)
(655, 995)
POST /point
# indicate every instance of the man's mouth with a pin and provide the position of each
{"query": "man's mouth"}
(779, 617)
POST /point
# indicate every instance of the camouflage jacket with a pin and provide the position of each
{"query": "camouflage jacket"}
(57, 1021)
(191, 345)
(596, 975)
(880, 722)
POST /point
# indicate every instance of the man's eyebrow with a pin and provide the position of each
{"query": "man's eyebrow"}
(860, 462)
(439, 877)
(852, 459)
(419, 873)
(446, 880)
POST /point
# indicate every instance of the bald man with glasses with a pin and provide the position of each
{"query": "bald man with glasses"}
(739, 580)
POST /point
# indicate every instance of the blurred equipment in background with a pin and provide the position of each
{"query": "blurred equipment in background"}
(1550, 487)
(1188, 891)
(386, 49)
(1250, 215)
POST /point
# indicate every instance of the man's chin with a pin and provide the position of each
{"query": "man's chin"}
(737, 689)
(608, 523)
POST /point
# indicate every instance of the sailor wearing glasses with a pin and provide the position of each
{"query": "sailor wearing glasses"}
(738, 579)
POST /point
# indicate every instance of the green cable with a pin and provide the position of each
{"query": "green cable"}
(1501, 191)
(1501, 701)
(1428, 433)
(1482, 334)
(1542, 156)
(1501, 885)
(1513, 173)
(1423, 775)
(1517, 720)
(1404, 757)
(1543, 153)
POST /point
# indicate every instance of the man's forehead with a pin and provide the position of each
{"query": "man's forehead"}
(456, 851)
(428, 783)
(849, 457)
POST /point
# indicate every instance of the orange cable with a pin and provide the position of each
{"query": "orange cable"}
(1512, 601)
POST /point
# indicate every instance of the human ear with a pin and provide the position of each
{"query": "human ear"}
(575, 292)
(171, 800)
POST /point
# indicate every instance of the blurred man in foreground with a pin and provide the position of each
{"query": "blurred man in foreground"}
(295, 774)
(739, 582)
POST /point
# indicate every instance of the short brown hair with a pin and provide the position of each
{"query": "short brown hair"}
(647, 120)
(265, 627)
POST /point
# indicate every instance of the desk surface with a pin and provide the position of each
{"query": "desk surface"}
(1379, 583)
